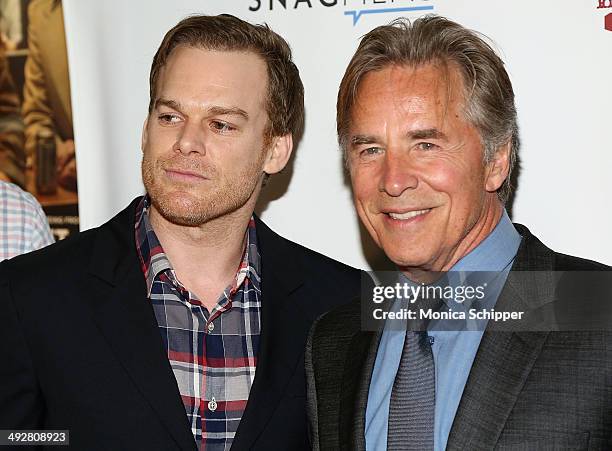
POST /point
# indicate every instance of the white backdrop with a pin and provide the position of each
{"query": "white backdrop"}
(557, 54)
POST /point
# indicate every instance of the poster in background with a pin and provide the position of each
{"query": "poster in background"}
(43, 160)
(557, 55)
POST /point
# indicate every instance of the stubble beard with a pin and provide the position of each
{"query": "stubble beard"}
(181, 204)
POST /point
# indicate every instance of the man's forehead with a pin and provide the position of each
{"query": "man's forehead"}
(216, 61)
(433, 78)
(238, 76)
(406, 89)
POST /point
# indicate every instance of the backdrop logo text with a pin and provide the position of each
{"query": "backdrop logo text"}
(354, 9)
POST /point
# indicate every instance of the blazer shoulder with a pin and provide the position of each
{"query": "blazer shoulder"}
(565, 262)
(275, 247)
(67, 258)
(56, 260)
(327, 283)
(322, 263)
(536, 255)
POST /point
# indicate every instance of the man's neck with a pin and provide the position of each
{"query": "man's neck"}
(205, 258)
(489, 219)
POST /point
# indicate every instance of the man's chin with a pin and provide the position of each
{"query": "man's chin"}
(184, 220)
(181, 210)
(180, 217)
(406, 259)
(188, 211)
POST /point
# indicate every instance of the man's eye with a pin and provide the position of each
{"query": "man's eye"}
(169, 118)
(221, 126)
(426, 146)
(370, 151)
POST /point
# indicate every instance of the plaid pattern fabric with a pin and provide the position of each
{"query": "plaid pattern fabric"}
(213, 354)
(23, 225)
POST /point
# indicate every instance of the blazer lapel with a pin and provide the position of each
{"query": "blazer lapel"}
(283, 323)
(501, 367)
(125, 318)
(358, 367)
(504, 359)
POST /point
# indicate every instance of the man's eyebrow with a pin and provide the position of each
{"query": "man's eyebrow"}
(428, 133)
(167, 102)
(225, 111)
(358, 140)
(214, 110)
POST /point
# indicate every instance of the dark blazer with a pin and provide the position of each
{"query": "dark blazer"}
(80, 347)
(525, 391)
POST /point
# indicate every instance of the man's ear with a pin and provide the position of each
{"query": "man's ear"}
(145, 134)
(278, 154)
(498, 168)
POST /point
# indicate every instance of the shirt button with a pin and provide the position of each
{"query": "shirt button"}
(212, 404)
(211, 327)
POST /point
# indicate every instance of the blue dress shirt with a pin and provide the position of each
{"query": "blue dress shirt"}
(453, 351)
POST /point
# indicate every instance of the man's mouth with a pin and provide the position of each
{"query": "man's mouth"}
(407, 215)
(184, 175)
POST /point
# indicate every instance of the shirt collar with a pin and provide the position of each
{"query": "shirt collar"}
(154, 261)
(496, 252)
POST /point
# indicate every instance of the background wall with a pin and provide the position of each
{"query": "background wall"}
(557, 54)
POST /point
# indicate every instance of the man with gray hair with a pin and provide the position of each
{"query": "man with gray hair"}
(427, 120)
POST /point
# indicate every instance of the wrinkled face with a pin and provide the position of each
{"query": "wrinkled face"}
(419, 182)
(203, 143)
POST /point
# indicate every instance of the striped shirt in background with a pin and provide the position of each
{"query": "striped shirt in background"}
(213, 354)
(23, 224)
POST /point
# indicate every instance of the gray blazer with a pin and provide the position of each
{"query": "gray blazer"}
(525, 391)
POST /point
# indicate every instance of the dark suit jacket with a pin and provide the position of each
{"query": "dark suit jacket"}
(80, 347)
(525, 391)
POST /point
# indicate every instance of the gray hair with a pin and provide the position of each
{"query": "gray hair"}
(488, 91)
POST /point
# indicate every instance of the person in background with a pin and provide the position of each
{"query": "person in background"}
(46, 92)
(12, 155)
(23, 224)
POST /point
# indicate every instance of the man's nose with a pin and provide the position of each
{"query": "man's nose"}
(191, 139)
(398, 174)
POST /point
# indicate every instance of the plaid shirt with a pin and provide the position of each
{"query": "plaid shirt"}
(213, 354)
(23, 225)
